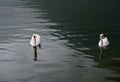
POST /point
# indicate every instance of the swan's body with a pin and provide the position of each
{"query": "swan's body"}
(103, 41)
(35, 40)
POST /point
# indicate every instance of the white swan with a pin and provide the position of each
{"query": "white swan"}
(35, 40)
(103, 41)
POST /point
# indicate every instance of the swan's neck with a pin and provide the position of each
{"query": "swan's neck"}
(34, 40)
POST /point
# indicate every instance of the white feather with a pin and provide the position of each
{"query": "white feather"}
(32, 41)
(103, 42)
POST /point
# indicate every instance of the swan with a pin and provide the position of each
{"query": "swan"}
(103, 41)
(35, 40)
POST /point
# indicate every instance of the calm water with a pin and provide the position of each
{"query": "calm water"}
(69, 31)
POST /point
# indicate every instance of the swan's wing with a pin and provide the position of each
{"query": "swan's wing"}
(106, 41)
(32, 43)
(100, 43)
(37, 39)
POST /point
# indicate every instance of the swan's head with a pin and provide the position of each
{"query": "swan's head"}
(34, 35)
(102, 36)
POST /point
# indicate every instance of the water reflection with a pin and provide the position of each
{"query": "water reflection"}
(101, 49)
(35, 48)
(100, 54)
(35, 53)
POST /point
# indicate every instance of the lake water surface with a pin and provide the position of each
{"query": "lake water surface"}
(69, 32)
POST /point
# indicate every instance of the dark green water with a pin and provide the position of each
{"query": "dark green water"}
(69, 32)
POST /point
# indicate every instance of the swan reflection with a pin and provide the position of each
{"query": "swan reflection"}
(35, 53)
